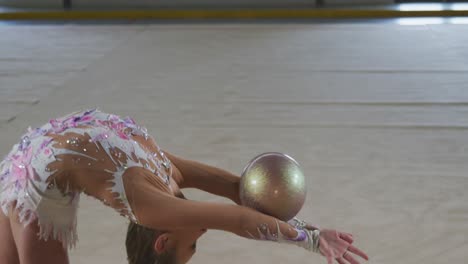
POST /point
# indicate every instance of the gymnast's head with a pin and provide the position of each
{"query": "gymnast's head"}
(147, 246)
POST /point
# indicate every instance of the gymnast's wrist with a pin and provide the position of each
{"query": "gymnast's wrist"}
(309, 239)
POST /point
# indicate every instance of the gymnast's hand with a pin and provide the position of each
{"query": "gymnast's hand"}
(339, 246)
(333, 244)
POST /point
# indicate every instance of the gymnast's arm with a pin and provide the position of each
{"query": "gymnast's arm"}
(207, 178)
(159, 210)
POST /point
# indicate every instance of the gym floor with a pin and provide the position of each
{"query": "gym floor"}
(376, 112)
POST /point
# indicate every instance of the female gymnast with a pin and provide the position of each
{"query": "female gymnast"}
(114, 160)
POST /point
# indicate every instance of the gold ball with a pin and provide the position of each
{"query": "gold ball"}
(273, 183)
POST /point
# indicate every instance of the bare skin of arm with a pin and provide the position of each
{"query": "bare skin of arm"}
(197, 175)
(157, 209)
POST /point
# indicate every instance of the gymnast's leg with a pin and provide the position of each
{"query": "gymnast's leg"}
(8, 251)
(33, 250)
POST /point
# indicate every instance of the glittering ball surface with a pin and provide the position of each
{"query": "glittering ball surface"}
(273, 183)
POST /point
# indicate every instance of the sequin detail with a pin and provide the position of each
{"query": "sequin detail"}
(305, 238)
(25, 171)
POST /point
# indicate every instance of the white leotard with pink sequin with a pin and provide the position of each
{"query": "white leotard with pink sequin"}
(101, 143)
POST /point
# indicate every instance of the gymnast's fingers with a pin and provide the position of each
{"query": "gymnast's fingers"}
(358, 252)
(329, 257)
(340, 261)
(346, 237)
(350, 258)
(326, 251)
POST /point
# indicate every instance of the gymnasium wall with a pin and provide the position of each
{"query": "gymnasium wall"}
(183, 3)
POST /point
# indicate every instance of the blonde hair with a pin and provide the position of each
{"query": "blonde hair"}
(140, 246)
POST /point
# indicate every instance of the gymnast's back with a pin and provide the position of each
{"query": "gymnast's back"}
(87, 151)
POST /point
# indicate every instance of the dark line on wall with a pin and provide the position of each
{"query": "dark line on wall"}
(67, 4)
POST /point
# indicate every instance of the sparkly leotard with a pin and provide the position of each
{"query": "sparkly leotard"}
(86, 151)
